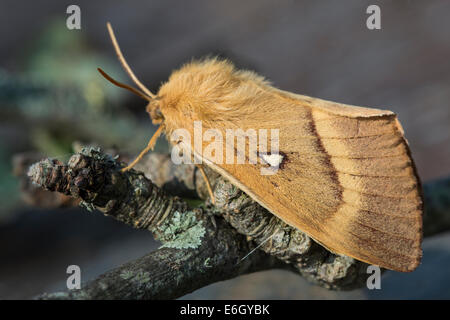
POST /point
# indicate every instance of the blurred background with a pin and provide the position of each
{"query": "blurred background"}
(52, 100)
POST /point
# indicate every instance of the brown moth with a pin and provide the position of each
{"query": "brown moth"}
(345, 177)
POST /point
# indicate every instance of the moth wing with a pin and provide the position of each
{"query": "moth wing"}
(346, 177)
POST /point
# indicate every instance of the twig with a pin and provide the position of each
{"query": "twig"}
(192, 238)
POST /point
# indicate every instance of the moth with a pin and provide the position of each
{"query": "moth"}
(345, 173)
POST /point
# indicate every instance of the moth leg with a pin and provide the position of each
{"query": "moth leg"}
(149, 147)
(208, 185)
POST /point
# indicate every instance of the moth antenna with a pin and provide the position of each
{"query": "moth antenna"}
(125, 64)
(125, 86)
(149, 147)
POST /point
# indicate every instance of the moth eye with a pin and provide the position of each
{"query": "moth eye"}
(158, 113)
(153, 108)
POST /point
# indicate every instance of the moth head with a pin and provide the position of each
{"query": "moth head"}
(154, 110)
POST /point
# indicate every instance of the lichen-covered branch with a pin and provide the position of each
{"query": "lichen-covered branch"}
(199, 255)
(198, 249)
(191, 237)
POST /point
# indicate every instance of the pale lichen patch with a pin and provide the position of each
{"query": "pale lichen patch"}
(126, 274)
(181, 231)
(140, 276)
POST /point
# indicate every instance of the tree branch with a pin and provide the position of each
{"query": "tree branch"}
(169, 273)
(199, 247)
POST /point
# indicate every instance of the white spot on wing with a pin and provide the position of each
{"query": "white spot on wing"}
(274, 160)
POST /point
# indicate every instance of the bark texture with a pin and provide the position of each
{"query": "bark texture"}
(201, 245)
